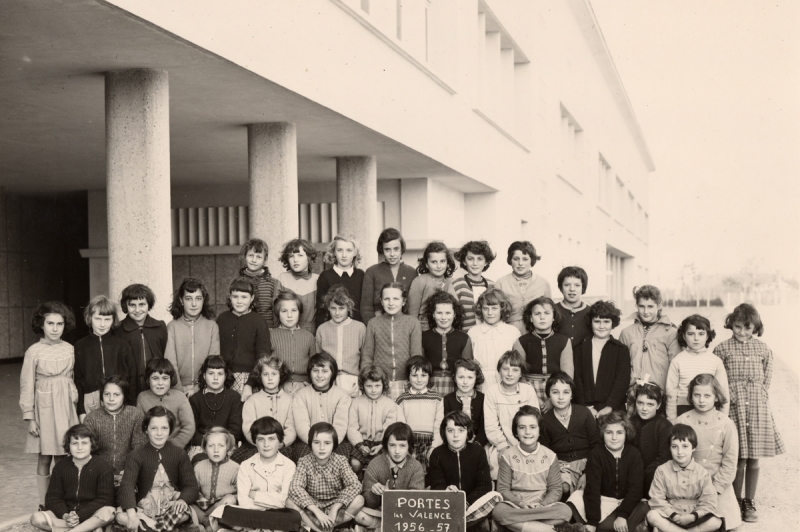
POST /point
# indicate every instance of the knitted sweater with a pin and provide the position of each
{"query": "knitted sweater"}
(177, 403)
(343, 342)
(140, 470)
(575, 441)
(369, 418)
(423, 412)
(575, 326)
(390, 342)
(461, 288)
(489, 342)
(421, 289)
(529, 477)
(686, 366)
(216, 479)
(546, 354)
(97, 357)
(267, 287)
(310, 406)
(306, 289)
(617, 478)
(610, 385)
(379, 471)
(499, 408)
(537, 286)
(277, 406)
(118, 434)
(243, 339)
(189, 343)
(84, 491)
(330, 278)
(375, 277)
(451, 346)
(294, 347)
(452, 403)
(652, 440)
(147, 341)
(467, 469)
(223, 409)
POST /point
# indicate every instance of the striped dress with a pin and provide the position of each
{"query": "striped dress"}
(467, 292)
(749, 368)
(267, 287)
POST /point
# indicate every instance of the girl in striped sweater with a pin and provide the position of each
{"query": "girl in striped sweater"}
(475, 257)
(253, 258)
(436, 267)
(422, 409)
(298, 257)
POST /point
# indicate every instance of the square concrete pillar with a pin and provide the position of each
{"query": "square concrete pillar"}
(138, 183)
(356, 200)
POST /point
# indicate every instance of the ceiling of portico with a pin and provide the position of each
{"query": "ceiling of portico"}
(52, 121)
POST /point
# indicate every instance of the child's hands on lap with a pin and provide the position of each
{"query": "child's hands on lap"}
(683, 519)
(375, 450)
(324, 521)
(451, 487)
(72, 519)
(378, 489)
(621, 524)
(604, 411)
(179, 505)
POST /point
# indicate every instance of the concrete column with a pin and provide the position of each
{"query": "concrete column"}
(357, 199)
(272, 158)
(138, 183)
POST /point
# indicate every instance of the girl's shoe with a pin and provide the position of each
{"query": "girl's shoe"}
(749, 513)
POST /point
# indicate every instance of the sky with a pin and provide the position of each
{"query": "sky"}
(716, 88)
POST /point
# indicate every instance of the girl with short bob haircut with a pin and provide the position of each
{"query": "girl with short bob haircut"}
(100, 354)
(47, 392)
(572, 283)
(162, 377)
(298, 256)
(467, 376)
(522, 285)
(474, 257)
(443, 343)
(436, 267)
(253, 261)
(290, 341)
(748, 363)
(371, 413)
(193, 335)
(652, 428)
(215, 405)
(81, 492)
(391, 246)
(492, 336)
(694, 335)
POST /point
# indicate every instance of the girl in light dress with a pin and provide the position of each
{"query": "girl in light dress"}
(47, 393)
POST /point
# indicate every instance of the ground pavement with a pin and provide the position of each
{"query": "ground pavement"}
(777, 501)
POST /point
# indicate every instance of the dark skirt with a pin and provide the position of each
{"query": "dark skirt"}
(277, 519)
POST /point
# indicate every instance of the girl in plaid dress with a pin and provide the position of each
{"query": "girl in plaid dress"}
(545, 350)
(748, 363)
(444, 343)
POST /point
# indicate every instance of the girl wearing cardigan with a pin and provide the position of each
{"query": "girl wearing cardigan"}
(391, 247)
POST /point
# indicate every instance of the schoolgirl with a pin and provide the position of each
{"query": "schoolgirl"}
(118, 426)
(492, 336)
(570, 430)
(391, 246)
(748, 363)
(146, 335)
(651, 429)
(717, 443)
(47, 374)
(269, 399)
(100, 355)
(253, 261)
(545, 350)
(474, 257)
(323, 400)
(344, 255)
(243, 334)
(216, 477)
(214, 405)
(612, 499)
(522, 286)
(436, 267)
(466, 398)
(652, 339)
(192, 335)
(502, 402)
(460, 464)
(392, 338)
(393, 469)
(292, 344)
(370, 414)
(162, 378)
(694, 336)
(422, 409)
(572, 283)
(81, 494)
(602, 363)
(443, 343)
(342, 337)
(298, 258)
(159, 483)
(528, 479)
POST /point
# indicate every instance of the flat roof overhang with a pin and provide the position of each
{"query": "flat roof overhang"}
(52, 105)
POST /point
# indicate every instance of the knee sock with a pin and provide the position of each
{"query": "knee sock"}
(738, 481)
(751, 478)
(42, 483)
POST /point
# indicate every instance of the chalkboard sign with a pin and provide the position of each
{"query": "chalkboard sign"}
(424, 511)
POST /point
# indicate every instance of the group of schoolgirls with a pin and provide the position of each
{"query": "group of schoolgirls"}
(295, 350)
